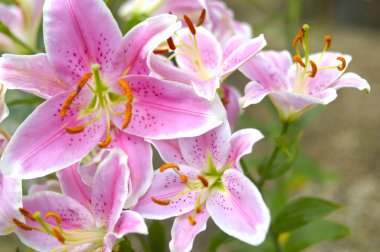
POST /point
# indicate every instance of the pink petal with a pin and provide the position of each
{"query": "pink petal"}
(41, 145)
(209, 50)
(232, 106)
(78, 34)
(240, 210)
(206, 89)
(73, 186)
(30, 73)
(253, 94)
(130, 222)
(144, 38)
(183, 233)
(166, 110)
(169, 151)
(242, 142)
(282, 60)
(266, 73)
(351, 80)
(242, 54)
(4, 111)
(110, 189)
(11, 201)
(50, 185)
(166, 185)
(214, 144)
(140, 164)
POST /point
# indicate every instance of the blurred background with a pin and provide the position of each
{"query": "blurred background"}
(340, 154)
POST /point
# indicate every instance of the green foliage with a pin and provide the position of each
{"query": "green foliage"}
(158, 241)
(218, 240)
(125, 246)
(301, 212)
(313, 233)
(132, 22)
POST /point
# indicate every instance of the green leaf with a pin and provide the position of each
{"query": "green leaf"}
(157, 237)
(301, 212)
(135, 20)
(218, 240)
(313, 233)
(125, 246)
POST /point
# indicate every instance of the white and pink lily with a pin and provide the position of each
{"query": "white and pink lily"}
(84, 218)
(23, 20)
(92, 79)
(294, 88)
(202, 178)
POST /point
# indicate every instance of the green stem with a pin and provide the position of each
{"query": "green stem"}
(34, 100)
(294, 13)
(7, 32)
(277, 246)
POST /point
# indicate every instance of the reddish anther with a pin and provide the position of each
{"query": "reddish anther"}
(160, 202)
(203, 180)
(106, 142)
(75, 130)
(171, 43)
(314, 69)
(67, 103)
(160, 51)
(201, 18)
(297, 59)
(328, 40)
(22, 225)
(343, 65)
(58, 235)
(190, 24)
(168, 166)
(191, 220)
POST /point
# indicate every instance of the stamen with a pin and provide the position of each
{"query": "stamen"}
(298, 37)
(191, 220)
(75, 130)
(56, 216)
(127, 115)
(83, 81)
(106, 142)
(183, 178)
(160, 51)
(203, 180)
(343, 65)
(225, 101)
(160, 202)
(22, 225)
(66, 104)
(297, 59)
(168, 166)
(201, 18)
(190, 24)
(58, 235)
(126, 89)
(198, 209)
(171, 43)
(328, 40)
(314, 69)
(26, 213)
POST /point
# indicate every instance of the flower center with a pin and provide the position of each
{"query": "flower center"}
(68, 238)
(102, 103)
(307, 68)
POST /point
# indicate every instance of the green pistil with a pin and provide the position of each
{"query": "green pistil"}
(305, 43)
(100, 86)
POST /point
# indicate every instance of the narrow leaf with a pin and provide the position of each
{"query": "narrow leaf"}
(157, 237)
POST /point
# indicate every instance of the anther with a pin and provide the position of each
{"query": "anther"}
(66, 104)
(75, 130)
(106, 142)
(225, 101)
(171, 43)
(22, 225)
(314, 69)
(191, 220)
(169, 166)
(58, 235)
(297, 59)
(298, 37)
(203, 180)
(343, 65)
(126, 89)
(160, 202)
(26, 213)
(83, 81)
(183, 178)
(160, 51)
(190, 24)
(328, 40)
(56, 216)
(198, 209)
(127, 115)
(201, 18)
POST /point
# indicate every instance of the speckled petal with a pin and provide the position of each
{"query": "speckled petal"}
(351, 80)
(169, 150)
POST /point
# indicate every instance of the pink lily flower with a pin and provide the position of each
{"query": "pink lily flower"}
(294, 88)
(23, 20)
(83, 218)
(202, 61)
(87, 48)
(203, 178)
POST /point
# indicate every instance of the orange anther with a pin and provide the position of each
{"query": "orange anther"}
(106, 142)
(160, 202)
(160, 51)
(191, 220)
(171, 43)
(26, 213)
(203, 180)
(168, 166)
(183, 178)
(198, 210)
(58, 235)
(127, 115)
(66, 104)
(328, 40)
(343, 65)
(190, 24)
(201, 18)
(22, 225)
(225, 101)
(83, 81)
(297, 59)
(314, 69)
(56, 216)
(298, 37)
(126, 89)
(75, 130)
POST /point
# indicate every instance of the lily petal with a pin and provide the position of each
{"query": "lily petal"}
(130, 222)
(231, 103)
(282, 60)
(169, 151)
(254, 93)
(207, 89)
(183, 233)
(4, 111)
(110, 189)
(50, 185)
(41, 145)
(30, 73)
(240, 211)
(351, 80)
